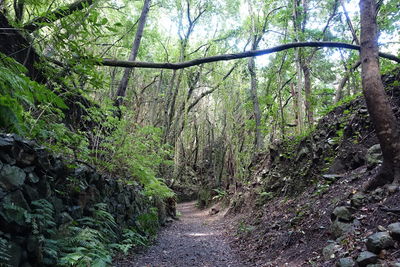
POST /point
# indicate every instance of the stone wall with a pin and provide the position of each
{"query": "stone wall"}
(28, 173)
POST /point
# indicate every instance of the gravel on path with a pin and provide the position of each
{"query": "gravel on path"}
(197, 239)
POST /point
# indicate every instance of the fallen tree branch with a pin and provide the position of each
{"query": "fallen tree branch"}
(253, 53)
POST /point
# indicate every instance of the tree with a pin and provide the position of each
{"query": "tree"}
(121, 92)
(378, 105)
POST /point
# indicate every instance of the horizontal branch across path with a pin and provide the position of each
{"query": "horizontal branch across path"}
(253, 53)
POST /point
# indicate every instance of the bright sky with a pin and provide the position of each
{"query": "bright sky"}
(201, 32)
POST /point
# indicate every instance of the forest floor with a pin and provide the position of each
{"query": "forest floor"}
(197, 239)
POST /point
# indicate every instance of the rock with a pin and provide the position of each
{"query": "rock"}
(2, 193)
(6, 143)
(366, 258)
(378, 241)
(33, 178)
(169, 220)
(11, 177)
(341, 213)
(375, 265)
(7, 158)
(339, 228)
(65, 218)
(26, 158)
(357, 200)
(345, 262)
(214, 211)
(31, 193)
(337, 166)
(392, 188)
(394, 230)
(374, 155)
(16, 198)
(75, 211)
(329, 251)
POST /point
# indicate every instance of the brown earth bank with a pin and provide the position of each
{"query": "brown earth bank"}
(196, 239)
(305, 205)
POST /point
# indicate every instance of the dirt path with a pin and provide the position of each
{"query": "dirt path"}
(197, 239)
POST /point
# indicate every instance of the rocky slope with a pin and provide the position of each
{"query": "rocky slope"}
(305, 206)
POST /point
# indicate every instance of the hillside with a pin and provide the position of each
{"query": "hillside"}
(306, 206)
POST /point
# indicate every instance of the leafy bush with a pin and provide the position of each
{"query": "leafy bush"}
(18, 93)
(131, 151)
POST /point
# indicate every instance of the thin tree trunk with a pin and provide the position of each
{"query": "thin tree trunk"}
(256, 105)
(121, 92)
(345, 79)
(378, 105)
(308, 97)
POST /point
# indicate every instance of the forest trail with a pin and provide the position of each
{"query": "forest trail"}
(197, 239)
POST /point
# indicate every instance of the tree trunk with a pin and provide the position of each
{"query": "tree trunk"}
(378, 105)
(256, 106)
(121, 92)
(339, 91)
(308, 97)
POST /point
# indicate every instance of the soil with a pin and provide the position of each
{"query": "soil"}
(197, 239)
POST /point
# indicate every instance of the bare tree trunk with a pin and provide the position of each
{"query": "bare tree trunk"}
(308, 97)
(378, 105)
(298, 91)
(121, 92)
(345, 79)
(256, 106)
(339, 91)
(295, 104)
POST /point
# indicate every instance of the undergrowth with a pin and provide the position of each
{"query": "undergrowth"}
(89, 241)
(111, 143)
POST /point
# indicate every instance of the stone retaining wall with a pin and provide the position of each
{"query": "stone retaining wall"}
(28, 173)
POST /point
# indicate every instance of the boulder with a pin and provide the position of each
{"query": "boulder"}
(345, 262)
(342, 213)
(33, 178)
(30, 192)
(7, 158)
(378, 241)
(329, 251)
(357, 200)
(339, 228)
(366, 258)
(11, 177)
(394, 230)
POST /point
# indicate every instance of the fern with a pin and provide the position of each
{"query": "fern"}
(18, 93)
(84, 247)
(131, 239)
(43, 227)
(4, 252)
